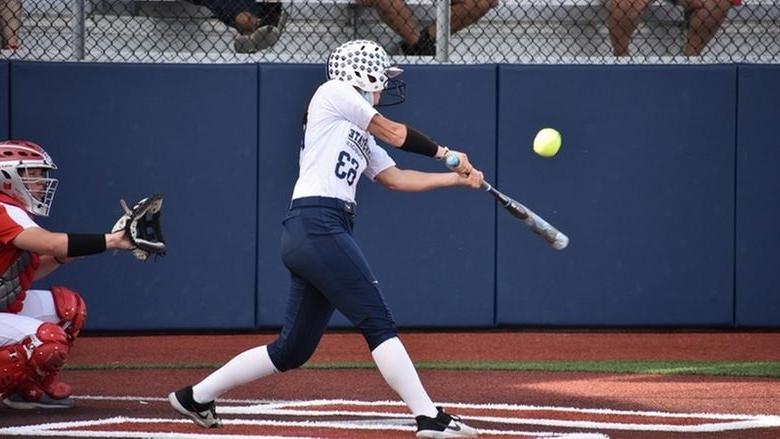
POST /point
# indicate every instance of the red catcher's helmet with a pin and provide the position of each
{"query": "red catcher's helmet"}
(35, 192)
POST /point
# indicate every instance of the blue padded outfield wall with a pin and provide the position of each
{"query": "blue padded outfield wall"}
(758, 197)
(644, 186)
(667, 184)
(130, 130)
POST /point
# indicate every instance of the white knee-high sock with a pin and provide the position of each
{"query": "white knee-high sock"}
(399, 372)
(243, 368)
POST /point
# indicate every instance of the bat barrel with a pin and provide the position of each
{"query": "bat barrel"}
(561, 241)
(555, 238)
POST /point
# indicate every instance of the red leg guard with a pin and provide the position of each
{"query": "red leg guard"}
(31, 366)
(51, 385)
(13, 367)
(71, 309)
(49, 349)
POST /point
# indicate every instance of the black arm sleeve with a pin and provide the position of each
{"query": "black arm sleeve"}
(80, 244)
(419, 143)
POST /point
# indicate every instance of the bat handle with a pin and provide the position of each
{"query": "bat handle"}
(452, 161)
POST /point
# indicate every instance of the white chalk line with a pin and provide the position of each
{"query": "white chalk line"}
(391, 420)
(55, 429)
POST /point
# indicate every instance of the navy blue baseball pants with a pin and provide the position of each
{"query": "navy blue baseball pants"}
(328, 272)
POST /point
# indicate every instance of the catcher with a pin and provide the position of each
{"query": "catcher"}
(37, 326)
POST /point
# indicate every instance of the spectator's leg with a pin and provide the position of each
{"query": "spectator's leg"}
(10, 22)
(238, 14)
(622, 19)
(464, 13)
(245, 22)
(706, 17)
(397, 15)
(247, 16)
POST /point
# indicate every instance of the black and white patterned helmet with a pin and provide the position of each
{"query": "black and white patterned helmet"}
(362, 63)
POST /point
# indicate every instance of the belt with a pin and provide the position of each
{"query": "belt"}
(333, 203)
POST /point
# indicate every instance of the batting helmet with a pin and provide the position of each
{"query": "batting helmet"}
(366, 65)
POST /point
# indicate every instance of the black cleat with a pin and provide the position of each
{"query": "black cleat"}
(204, 415)
(442, 426)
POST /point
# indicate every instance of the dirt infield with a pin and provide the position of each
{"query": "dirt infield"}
(358, 404)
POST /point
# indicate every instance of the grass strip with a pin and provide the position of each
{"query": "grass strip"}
(713, 368)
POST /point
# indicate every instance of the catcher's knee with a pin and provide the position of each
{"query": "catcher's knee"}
(48, 349)
(71, 309)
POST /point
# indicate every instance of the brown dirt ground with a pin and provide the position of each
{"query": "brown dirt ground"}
(690, 394)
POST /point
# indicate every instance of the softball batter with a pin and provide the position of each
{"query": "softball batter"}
(328, 270)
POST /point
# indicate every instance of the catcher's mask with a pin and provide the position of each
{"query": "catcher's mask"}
(24, 175)
(366, 65)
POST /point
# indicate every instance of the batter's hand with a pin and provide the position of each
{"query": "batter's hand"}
(473, 180)
(464, 167)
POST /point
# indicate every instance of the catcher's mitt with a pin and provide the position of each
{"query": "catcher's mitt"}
(142, 226)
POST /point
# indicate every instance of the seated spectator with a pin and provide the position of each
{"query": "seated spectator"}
(419, 41)
(10, 23)
(703, 17)
(259, 25)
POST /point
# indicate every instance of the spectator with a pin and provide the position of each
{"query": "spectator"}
(259, 25)
(703, 17)
(37, 326)
(10, 23)
(422, 41)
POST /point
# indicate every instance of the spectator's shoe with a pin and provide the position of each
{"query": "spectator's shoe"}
(443, 425)
(204, 415)
(266, 36)
(425, 46)
(20, 401)
(244, 44)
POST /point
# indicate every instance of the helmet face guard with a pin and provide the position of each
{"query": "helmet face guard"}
(394, 93)
(41, 191)
(34, 192)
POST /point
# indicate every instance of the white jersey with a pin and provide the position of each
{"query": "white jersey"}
(337, 149)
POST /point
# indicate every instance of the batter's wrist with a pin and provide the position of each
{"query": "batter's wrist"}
(442, 152)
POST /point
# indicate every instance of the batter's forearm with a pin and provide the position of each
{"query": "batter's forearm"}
(416, 181)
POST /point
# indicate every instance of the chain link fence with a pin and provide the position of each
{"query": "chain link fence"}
(415, 31)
